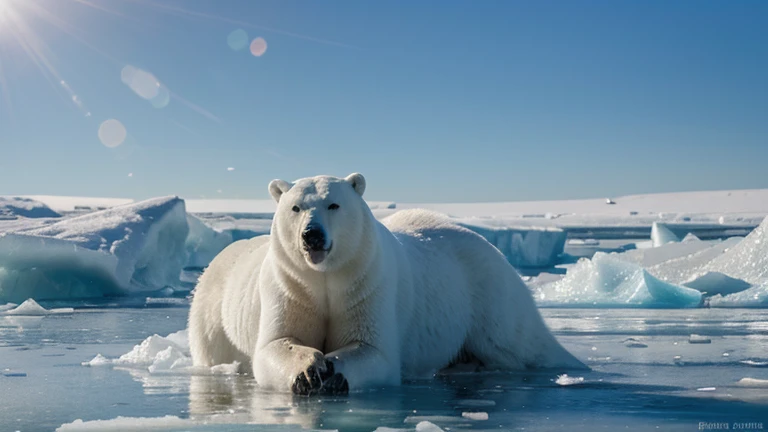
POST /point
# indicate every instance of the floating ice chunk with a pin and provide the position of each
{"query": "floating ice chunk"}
(753, 382)
(713, 283)
(10, 373)
(634, 343)
(170, 359)
(565, 380)
(146, 353)
(475, 403)
(699, 339)
(706, 389)
(204, 243)
(661, 235)
(478, 416)
(754, 363)
(99, 360)
(748, 260)
(426, 426)
(583, 242)
(180, 338)
(136, 247)
(127, 423)
(31, 308)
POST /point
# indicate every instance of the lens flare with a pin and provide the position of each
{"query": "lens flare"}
(258, 47)
(112, 133)
(237, 40)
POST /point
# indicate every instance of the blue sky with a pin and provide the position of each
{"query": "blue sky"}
(432, 100)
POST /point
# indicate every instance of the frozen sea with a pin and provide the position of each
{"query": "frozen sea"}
(646, 375)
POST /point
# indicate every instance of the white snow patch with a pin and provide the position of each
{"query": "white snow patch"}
(565, 380)
(748, 260)
(706, 389)
(14, 207)
(99, 360)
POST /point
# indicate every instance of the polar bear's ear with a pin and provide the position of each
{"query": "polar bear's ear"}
(357, 181)
(277, 188)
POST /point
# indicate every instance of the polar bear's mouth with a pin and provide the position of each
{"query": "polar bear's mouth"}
(317, 256)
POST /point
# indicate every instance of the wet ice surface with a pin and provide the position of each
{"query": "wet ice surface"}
(670, 383)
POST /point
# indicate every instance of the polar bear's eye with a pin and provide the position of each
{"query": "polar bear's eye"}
(333, 206)
(296, 209)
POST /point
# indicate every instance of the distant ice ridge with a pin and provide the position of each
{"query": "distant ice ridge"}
(14, 207)
(522, 246)
(132, 248)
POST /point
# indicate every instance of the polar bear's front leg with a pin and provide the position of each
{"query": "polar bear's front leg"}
(286, 365)
(364, 365)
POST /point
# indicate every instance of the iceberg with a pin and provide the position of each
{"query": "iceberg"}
(204, 242)
(606, 281)
(747, 260)
(686, 268)
(133, 248)
(650, 257)
(524, 247)
(661, 235)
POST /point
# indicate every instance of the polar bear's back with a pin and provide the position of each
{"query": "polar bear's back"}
(468, 297)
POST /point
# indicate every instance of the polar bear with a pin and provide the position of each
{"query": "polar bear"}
(334, 300)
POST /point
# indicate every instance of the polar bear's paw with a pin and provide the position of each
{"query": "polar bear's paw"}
(320, 378)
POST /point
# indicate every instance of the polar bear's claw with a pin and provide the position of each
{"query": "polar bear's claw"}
(336, 385)
(312, 381)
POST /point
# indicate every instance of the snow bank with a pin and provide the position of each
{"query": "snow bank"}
(522, 246)
(13, 207)
(661, 235)
(31, 308)
(133, 248)
(610, 282)
(204, 243)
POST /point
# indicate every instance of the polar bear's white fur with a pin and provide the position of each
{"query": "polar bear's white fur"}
(334, 299)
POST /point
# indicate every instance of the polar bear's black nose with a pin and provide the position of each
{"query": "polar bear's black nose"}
(314, 238)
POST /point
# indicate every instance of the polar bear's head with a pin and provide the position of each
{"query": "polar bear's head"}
(320, 221)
